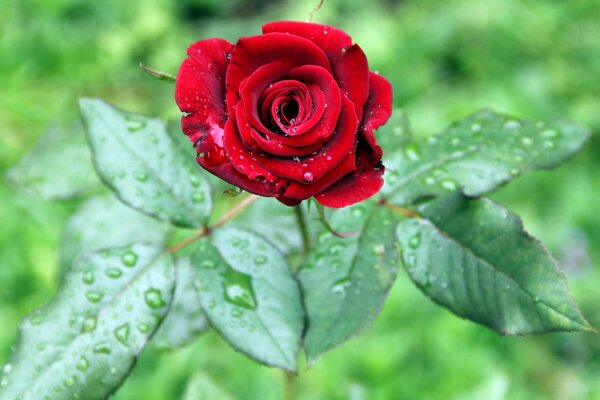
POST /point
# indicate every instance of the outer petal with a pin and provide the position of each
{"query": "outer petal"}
(378, 109)
(355, 186)
(200, 88)
(349, 63)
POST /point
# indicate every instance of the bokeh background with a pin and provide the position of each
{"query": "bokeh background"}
(445, 59)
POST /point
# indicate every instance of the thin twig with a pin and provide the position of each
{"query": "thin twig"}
(404, 211)
(163, 76)
(315, 10)
(206, 230)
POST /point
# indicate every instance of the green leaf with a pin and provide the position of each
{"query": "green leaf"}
(473, 257)
(250, 296)
(57, 167)
(395, 134)
(478, 154)
(202, 387)
(138, 159)
(345, 280)
(85, 341)
(274, 221)
(103, 222)
(185, 320)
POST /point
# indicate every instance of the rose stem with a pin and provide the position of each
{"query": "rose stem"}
(303, 228)
(288, 385)
(206, 230)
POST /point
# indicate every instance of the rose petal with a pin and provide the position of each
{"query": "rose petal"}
(200, 88)
(308, 169)
(252, 52)
(349, 63)
(355, 186)
(378, 109)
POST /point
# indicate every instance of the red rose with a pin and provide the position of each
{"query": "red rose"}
(289, 113)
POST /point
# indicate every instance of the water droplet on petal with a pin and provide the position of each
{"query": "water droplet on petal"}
(308, 177)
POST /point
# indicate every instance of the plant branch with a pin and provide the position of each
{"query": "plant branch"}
(288, 386)
(303, 228)
(163, 76)
(315, 10)
(404, 211)
(222, 221)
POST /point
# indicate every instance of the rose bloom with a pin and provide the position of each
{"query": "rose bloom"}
(288, 114)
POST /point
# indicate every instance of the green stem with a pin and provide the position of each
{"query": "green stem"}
(288, 386)
(303, 228)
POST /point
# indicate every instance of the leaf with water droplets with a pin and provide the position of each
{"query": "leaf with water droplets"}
(104, 222)
(58, 166)
(345, 280)
(478, 154)
(250, 297)
(145, 164)
(185, 320)
(85, 341)
(473, 257)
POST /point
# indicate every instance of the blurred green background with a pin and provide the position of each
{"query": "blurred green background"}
(445, 59)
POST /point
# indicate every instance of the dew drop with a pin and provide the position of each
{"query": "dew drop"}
(70, 381)
(114, 273)
(415, 241)
(336, 248)
(237, 288)
(260, 260)
(308, 177)
(208, 264)
(93, 296)
(7, 369)
(143, 327)
(129, 258)
(512, 124)
(379, 250)
(82, 364)
(449, 184)
(102, 348)
(341, 285)
(140, 176)
(88, 278)
(134, 124)
(122, 334)
(412, 151)
(550, 133)
(198, 197)
(153, 298)
(236, 313)
(89, 325)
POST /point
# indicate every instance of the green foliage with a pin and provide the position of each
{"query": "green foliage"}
(479, 153)
(250, 296)
(525, 58)
(138, 160)
(473, 257)
(185, 320)
(346, 280)
(104, 222)
(42, 169)
(86, 340)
